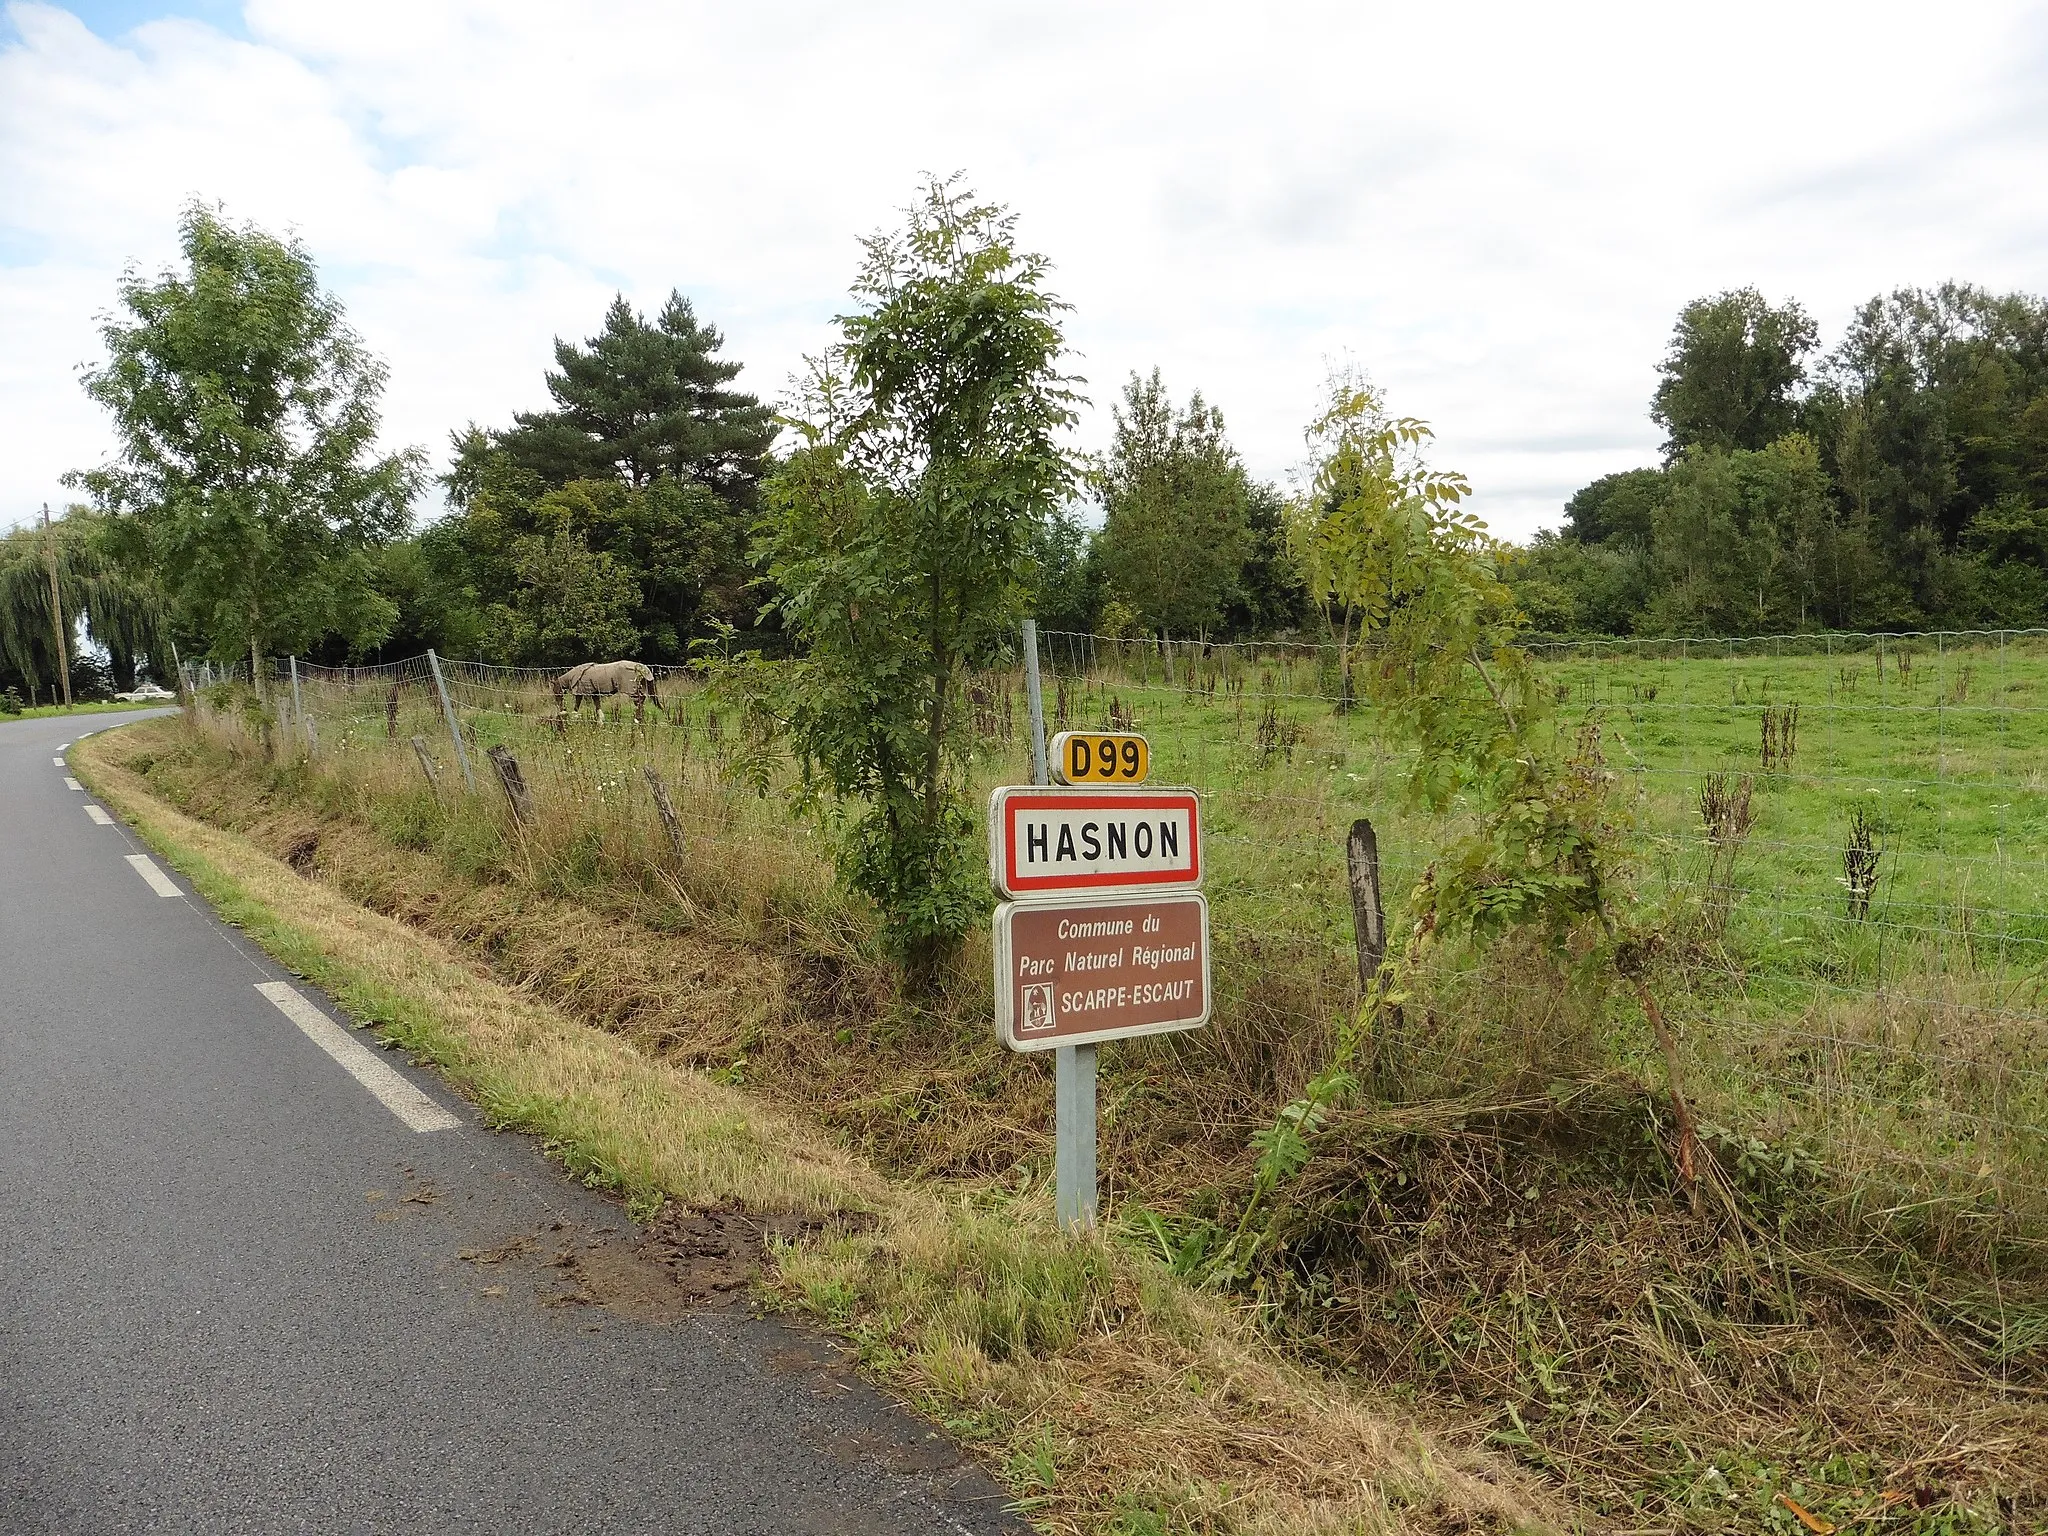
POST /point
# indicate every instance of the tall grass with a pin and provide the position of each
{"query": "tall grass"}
(1892, 1031)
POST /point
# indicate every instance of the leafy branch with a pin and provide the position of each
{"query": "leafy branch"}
(1413, 584)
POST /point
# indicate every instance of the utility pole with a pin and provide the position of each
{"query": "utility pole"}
(57, 608)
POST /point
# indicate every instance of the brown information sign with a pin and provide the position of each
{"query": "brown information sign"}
(1074, 972)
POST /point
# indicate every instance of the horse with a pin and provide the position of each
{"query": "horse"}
(600, 680)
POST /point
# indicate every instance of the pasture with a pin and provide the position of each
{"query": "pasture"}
(1855, 926)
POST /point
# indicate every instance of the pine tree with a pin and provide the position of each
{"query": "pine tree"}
(639, 402)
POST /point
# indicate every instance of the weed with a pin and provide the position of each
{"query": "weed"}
(1861, 856)
(1779, 728)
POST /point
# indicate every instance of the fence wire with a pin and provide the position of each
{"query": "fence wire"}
(1844, 835)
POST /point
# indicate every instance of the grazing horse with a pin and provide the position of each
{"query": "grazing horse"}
(600, 680)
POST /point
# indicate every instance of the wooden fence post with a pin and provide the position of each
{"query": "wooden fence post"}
(669, 821)
(391, 713)
(514, 782)
(1368, 916)
(419, 746)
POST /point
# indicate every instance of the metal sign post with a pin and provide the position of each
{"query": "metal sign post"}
(1073, 1101)
(298, 705)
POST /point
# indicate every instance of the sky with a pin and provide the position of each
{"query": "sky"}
(1496, 210)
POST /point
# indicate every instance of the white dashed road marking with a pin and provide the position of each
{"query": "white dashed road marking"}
(71, 783)
(57, 762)
(359, 1061)
(159, 882)
(100, 817)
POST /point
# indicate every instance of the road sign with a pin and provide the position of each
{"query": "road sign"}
(1075, 972)
(1046, 842)
(1101, 757)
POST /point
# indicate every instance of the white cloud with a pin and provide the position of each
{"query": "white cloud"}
(1497, 209)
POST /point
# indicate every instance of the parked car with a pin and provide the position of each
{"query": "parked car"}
(145, 693)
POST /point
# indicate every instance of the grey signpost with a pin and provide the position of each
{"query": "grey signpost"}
(1073, 1101)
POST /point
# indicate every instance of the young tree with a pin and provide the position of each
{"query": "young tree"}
(247, 479)
(1538, 848)
(1730, 376)
(1177, 510)
(1367, 481)
(900, 534)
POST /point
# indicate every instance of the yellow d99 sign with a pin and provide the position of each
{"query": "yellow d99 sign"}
(1100, 757)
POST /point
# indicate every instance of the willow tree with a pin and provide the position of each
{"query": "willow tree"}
(247, 479)
(120, 609)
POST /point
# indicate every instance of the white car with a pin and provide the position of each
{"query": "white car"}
(144, 693)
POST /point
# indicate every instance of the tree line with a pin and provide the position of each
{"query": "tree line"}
(836, 568)
(1898, 481)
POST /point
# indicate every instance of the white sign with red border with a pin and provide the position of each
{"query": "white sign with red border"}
(1048, 842)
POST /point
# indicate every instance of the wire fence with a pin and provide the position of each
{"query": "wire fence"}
(1843, 836)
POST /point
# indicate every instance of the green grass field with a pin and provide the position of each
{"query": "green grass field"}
(1910, 1032)
(1902, 1034)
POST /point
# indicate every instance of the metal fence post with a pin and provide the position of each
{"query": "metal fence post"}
(1073, 1101)
(448, 711)
(1040, 773)
(298, 704)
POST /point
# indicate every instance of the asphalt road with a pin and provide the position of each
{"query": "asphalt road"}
(238, 1292)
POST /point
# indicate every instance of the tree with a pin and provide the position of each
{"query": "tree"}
(1269, 595)
(1743, 541)
(1732, 372)
(246, 410)
(120, 610)
(639, 402)
(571, 603)
(674, 544)
(1616, 509)
(1066, 582)
(649, 457)
(1177, 510)
(1538, 849)
(1368, 482)
(900, 535)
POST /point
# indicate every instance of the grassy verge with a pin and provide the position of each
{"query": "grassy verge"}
(44, 711)
(1108, 1394)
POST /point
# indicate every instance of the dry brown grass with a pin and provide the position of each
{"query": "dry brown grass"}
(1524, 1260)
(1109, 1394)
